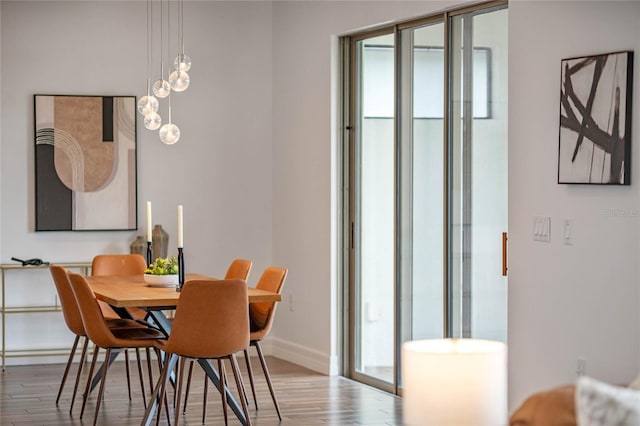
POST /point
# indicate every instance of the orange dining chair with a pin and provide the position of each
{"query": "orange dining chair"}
(123, 265)
(239, 269)
(261, 316)
(73, 320)
(211, 322)
(102, 336)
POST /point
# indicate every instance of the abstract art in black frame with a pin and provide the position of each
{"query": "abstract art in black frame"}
(595, 119)
(85, 163)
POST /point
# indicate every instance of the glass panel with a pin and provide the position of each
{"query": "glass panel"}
(422, 182)
(478, 174)
(374, 209)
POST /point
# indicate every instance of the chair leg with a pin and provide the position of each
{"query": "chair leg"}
(66, 368)
(250, 372)
(164, 377)
(240, 385)
(186, 391)
(88, 388)
(256, 343)
(223, 391)
(205, 393)
(166, 403)
(105, 367)
(126, 366)
(149, 369)
(83, 355)
(179, 378)
(144, 397)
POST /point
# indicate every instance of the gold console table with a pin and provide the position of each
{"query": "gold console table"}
(17, 353)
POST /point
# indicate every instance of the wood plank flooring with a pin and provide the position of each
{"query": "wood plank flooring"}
(28, 393)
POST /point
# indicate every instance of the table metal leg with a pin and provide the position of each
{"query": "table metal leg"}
(96, 379)
(212, 373)
(155, 402)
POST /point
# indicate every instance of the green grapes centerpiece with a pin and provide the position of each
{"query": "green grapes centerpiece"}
(163, 266)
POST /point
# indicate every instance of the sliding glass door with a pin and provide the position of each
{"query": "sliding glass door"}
(374, 209)
(427, 186)
(421, 187)
(477, 178)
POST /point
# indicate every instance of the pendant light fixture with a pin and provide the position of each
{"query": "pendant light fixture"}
(169, 133)
(148, 104)
(178, 79)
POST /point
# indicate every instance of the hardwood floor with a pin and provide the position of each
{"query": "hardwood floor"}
(28, 393)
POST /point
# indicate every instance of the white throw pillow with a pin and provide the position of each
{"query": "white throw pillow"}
(601, 404)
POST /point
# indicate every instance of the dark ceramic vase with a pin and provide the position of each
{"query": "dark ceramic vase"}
(160, 242)
(139, 246)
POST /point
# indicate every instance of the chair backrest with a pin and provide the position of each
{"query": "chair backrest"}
(262, 313)
(118, 264)
(92, 318)
(211, 319)
(239, 270)
(70, 310)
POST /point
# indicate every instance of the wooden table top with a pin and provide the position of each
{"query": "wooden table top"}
(130, 291)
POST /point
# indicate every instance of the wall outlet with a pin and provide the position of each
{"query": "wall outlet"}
(568, 232)
(581, 367)
(291, 305)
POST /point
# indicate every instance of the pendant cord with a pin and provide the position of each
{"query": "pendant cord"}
(161, 44)
(181, 21)
(149, 20)
(168, 28)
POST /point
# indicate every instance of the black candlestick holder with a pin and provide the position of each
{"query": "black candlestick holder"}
(149, 253)
(180, 269)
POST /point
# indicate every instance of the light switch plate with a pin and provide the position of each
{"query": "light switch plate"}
(542, 228)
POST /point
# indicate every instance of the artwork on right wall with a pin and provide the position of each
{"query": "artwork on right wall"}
(595, 119)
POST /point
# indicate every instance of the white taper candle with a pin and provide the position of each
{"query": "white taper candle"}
(180, 233)
(149, 221)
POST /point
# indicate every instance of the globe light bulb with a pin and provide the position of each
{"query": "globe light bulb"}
(169, 134)
(152, 121)
(179, 80)
(147, 105)
(182, 62)
(161, 88)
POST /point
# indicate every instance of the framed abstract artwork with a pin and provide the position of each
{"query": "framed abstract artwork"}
(595, 119)
(85, 163)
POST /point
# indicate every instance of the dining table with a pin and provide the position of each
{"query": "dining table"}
(122, 292)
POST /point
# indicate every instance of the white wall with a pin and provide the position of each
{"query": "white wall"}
(221, 168)
(581, 300)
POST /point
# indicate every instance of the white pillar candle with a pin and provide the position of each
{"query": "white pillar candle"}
(149, 221)
(180, 241)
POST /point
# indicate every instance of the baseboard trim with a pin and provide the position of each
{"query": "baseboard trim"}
(300, 355)
(283, 349)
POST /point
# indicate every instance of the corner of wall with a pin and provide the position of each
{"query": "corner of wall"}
(301, 355)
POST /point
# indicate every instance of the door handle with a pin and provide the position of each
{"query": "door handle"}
(504, 254)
